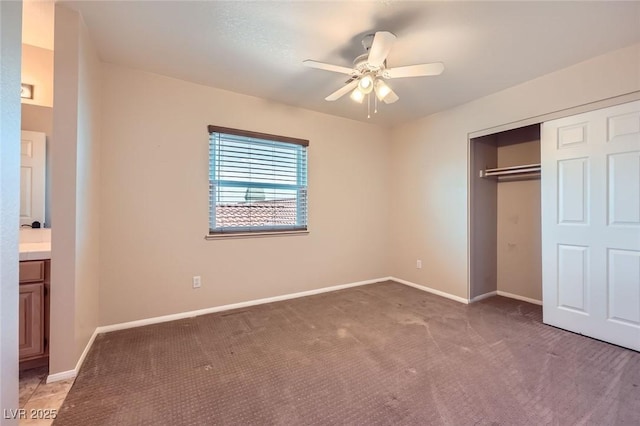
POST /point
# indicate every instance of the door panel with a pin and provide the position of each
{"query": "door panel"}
(624, 294)
(624, 189)
(623, 126)
(573, 277)
(591, 223)
(572, 135)
(573, 191)
(26, 192)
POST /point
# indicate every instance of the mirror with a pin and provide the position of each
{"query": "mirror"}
(32, 178)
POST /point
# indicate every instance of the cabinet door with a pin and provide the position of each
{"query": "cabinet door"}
(31, 335)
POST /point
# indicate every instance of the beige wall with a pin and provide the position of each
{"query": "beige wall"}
(484, 217)
(519, 252)
(88, 190)
(10, 34)
(75, 192)
(429, 162)
(519, 147)
(37, 69)
(37, 119)
(154, 201)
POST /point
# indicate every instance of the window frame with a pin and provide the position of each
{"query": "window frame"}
(256, 231)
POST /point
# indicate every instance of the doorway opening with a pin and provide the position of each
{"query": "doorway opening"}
(505, 211)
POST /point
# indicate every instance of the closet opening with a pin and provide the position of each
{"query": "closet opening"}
(505, 215)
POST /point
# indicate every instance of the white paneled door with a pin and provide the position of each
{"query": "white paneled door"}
(591, 224)
(32, 177)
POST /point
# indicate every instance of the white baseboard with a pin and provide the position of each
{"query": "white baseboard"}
(191, 314)
(506, 294)
(70, 374)
(483, 296)
(517, 297)
(431, 290)
(63, 375)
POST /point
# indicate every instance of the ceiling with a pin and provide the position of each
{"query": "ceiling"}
(257, 48)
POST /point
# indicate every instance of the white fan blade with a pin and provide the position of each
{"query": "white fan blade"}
(434, 68)
(342, 91)
(391, 97)
(328, 67)
(382, 42)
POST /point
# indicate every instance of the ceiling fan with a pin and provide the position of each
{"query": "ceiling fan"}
(370, 70)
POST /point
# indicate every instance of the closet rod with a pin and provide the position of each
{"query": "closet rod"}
(511, 171)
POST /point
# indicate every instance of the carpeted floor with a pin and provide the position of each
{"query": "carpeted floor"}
(382, 354)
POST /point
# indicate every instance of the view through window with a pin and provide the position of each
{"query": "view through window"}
(257, 182)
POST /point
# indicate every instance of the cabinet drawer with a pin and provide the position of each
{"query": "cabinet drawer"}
(32, 271)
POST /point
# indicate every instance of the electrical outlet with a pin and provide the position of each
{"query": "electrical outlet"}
(197, 282)
(419, 264)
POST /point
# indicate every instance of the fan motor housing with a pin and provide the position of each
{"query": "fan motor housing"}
(367, 41)
(361, 64)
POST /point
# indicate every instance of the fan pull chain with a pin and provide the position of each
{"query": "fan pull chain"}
(375, 104)
(369, 106)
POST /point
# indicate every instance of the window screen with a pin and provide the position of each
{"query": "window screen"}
(257, 182)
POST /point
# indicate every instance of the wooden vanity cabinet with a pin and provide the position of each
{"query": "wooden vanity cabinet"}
(34, 313)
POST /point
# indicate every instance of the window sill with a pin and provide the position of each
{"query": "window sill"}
(254, 235)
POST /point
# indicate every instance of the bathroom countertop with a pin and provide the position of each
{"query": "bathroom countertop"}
(35, 244)
(35, 251)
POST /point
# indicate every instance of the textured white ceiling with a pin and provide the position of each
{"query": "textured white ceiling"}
(257, 48)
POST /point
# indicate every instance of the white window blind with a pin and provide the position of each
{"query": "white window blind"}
(257, 182)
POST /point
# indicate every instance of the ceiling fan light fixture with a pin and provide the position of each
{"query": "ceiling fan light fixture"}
(369, 70)
(381, 89)
(357, 95)
(366, 84)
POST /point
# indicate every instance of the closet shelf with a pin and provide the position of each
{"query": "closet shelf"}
(514, 171)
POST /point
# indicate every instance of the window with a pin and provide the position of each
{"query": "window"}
(257, 182)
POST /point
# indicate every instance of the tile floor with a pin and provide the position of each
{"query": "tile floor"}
(40, 399)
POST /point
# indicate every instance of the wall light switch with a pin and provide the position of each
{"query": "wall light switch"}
(419, 264)
(197, 282)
